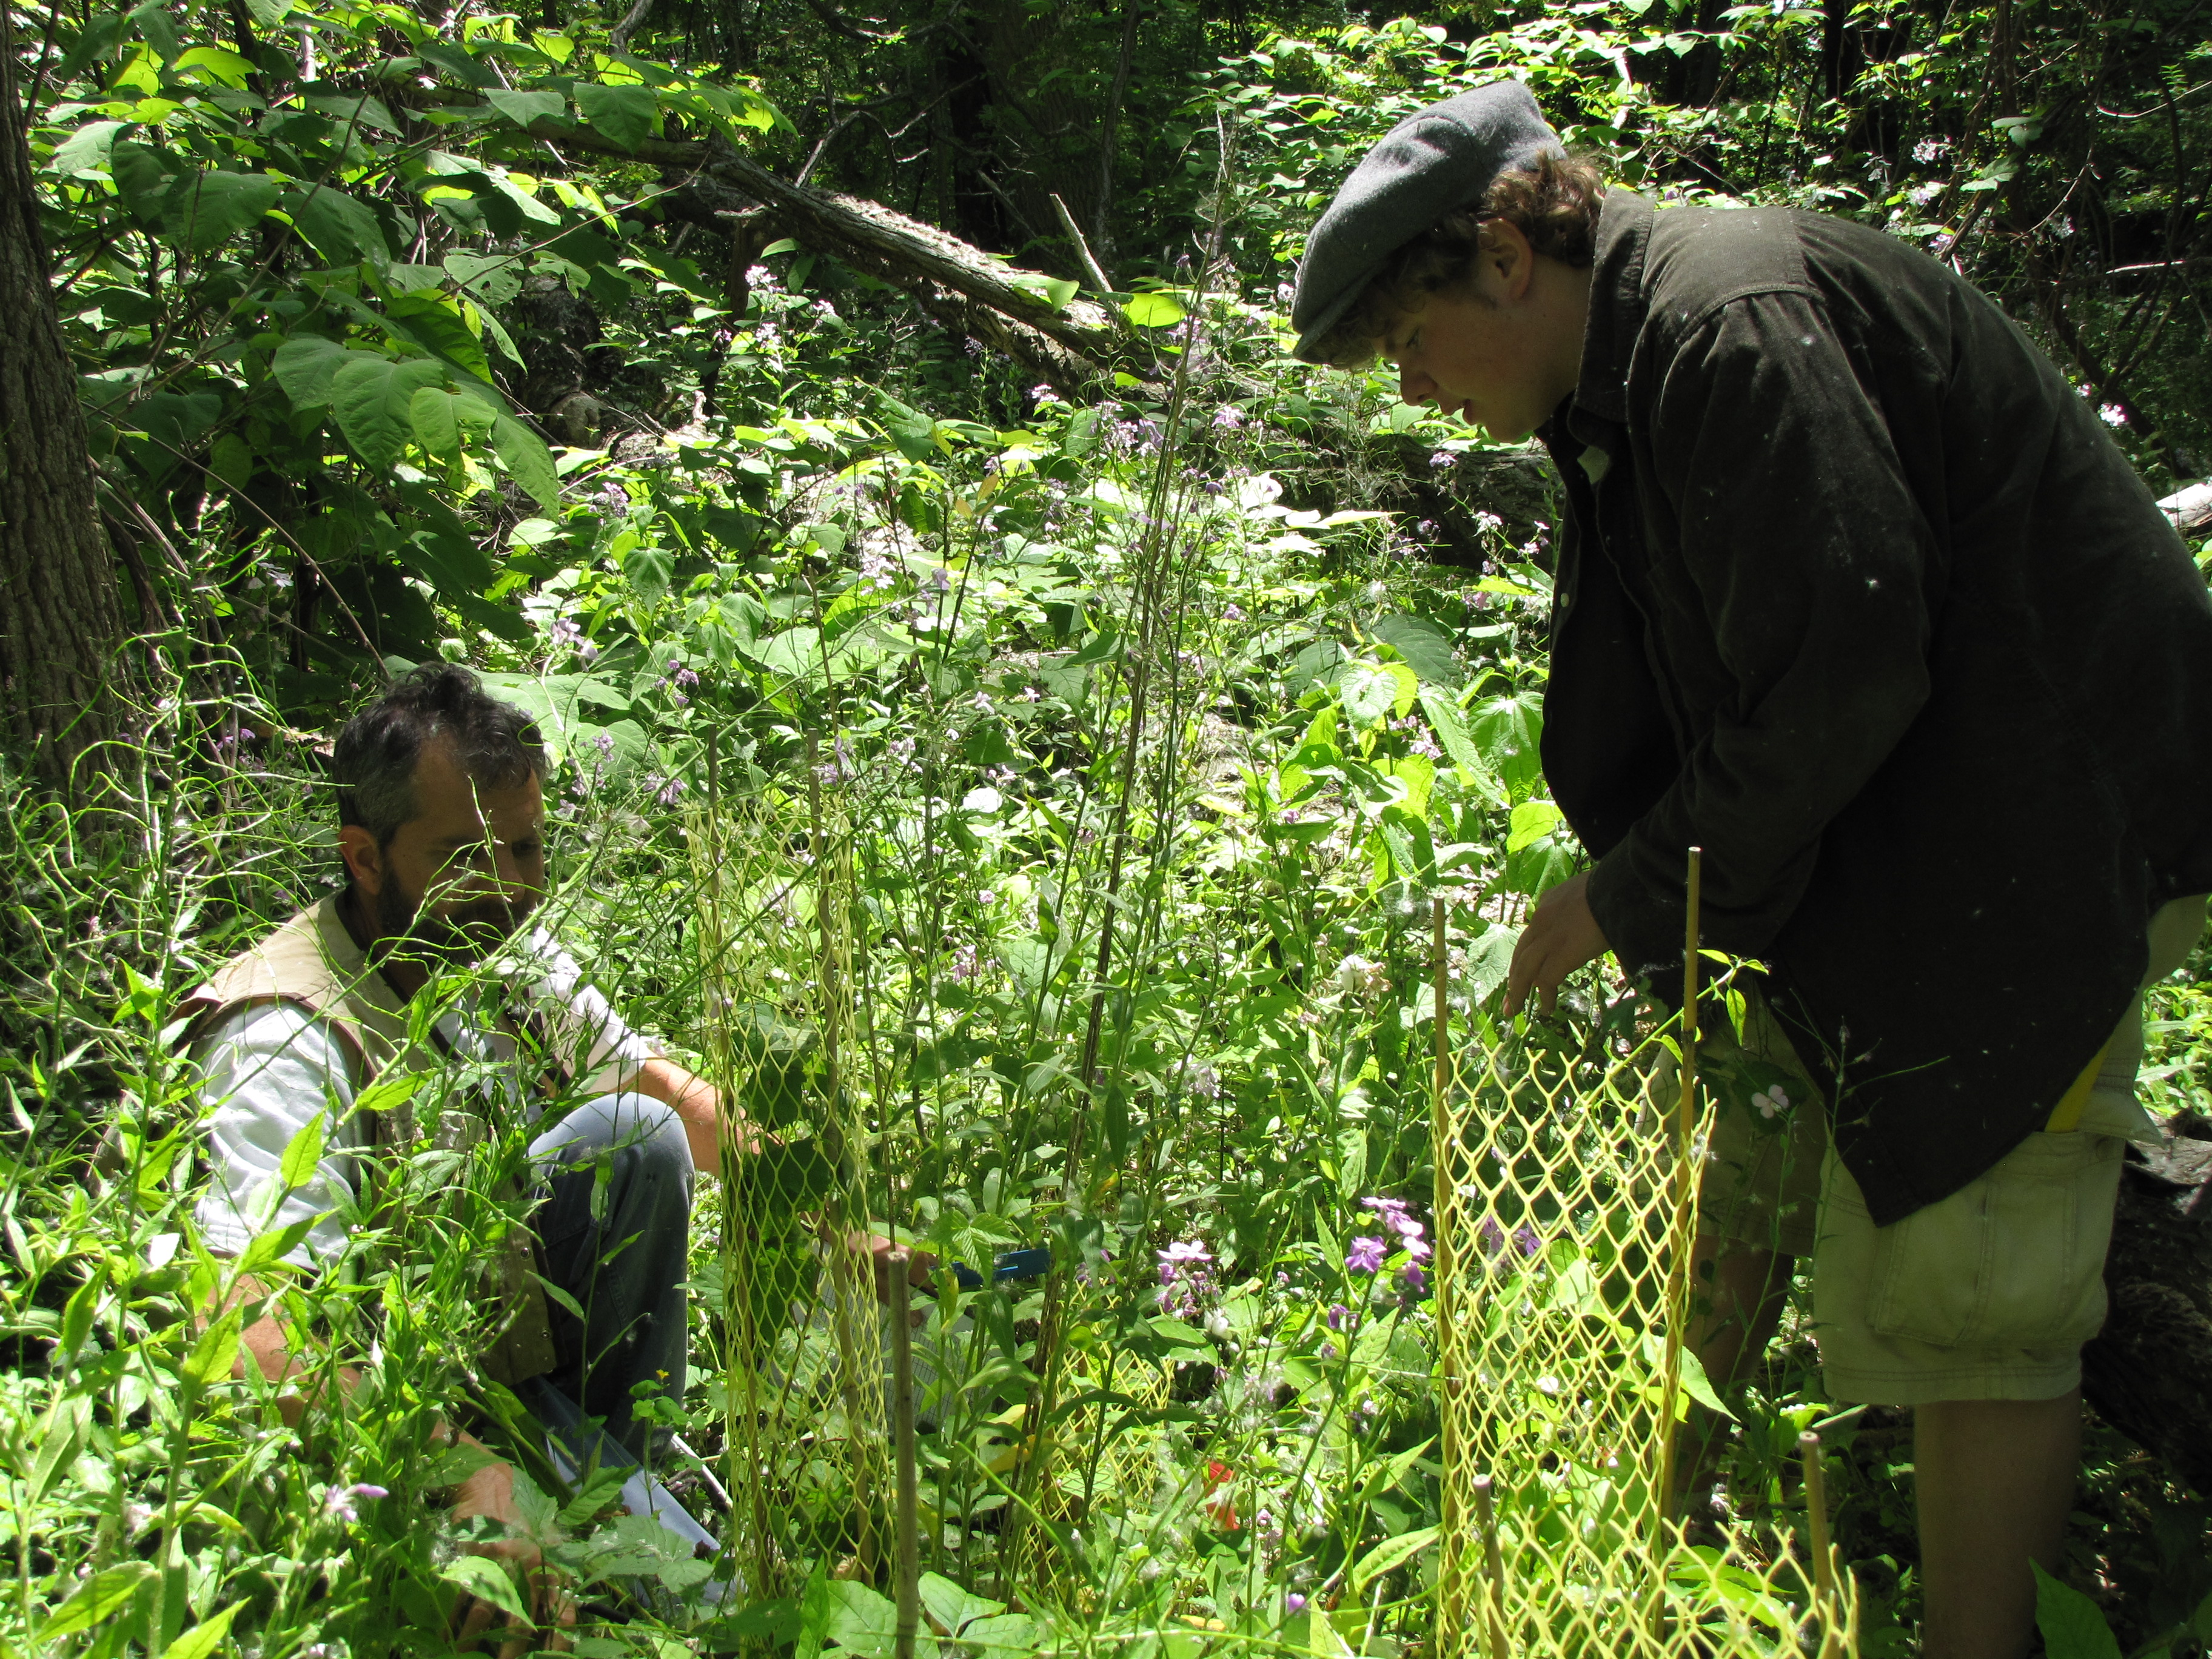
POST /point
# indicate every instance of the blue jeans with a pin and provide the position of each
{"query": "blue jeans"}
(626, 1267)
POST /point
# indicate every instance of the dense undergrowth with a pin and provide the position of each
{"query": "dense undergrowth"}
(1090, 769)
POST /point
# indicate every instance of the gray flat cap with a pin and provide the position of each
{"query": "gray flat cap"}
(1434, 161)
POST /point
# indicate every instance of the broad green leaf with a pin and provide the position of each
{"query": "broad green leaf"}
(494, 279)
(99, 1599)
(371, 397)
(301, 1154)
(529, 462)
(204, 1638)
(207, 209)
(339, 226)
(430, 318)
(2071, 1624)
(85, 153)
(523, 107)
(1153, 310)
(216, 63)
(952, 1607)
(1532, 820)
(210, 1358)
(144, 177)
(1389, 1554)
(488, 1581)
(275, 1245)
(1369, 692)
(624, 114)
(913, 432)
(442, 420)
(1451, 727)
(269, 15)
(304, 366)
(353, 110)
(1426, 647)
(1509, 731)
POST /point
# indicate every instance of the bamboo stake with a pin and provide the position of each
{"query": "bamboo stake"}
(1686, 1190)
(1452, 1591)
(907, 1521)
(1493, 1562)
(1816, 1521)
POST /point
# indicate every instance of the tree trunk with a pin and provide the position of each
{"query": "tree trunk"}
(2150, 1371)
(60, 608)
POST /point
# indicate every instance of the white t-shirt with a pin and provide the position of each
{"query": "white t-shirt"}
(269, 1068)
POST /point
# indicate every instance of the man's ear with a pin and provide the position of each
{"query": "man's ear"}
(1506, 259)
(364, 860)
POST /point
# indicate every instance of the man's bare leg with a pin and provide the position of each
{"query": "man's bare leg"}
(1994, 1479)
(1737, 1294)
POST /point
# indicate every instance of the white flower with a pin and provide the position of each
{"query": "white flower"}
(1770, 1102)
(2112, 414)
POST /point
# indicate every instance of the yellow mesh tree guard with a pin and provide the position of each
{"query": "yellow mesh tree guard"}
(1561, 1234)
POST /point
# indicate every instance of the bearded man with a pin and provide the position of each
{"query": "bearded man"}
(442, 825)
(1855, 592)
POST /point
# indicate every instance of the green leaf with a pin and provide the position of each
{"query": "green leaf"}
(1153, 310)
(1532, 820)
(144, 177)
(494, 280)
(913, 432)
(100, 1599)
(269, 15)
(952, 1607)
(304, 365)
(442, 419)
(59, 1438)
(1509, 733)
(301, 1154)
(485, 1579)
(1451, 727)
(372, 397)
(624, 114)
(523, 107)
(212, 1357)
(1426, 647)
(204, 1638)
(1369, 691)
(206, 211)
(529, 462)
(2071, 1626)
(1389, 1554)
(85, 153)
(339, 227)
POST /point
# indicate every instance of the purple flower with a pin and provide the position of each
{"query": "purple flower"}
(1441, 460)
(1294, 1604)
(1338, 1314)
(1415, 1281)
(1365, 1256)
(669, 791)
(1490, 1235)
(1527, 1238)
(1228, 418)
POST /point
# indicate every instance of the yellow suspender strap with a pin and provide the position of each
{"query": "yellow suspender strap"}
(2066, 1115)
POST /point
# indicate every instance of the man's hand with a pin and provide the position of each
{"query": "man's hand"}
(490, 1492)
(1561, 936)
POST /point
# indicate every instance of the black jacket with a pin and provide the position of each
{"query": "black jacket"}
(1856, 593)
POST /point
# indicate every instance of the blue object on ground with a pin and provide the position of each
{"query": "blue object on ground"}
(1011, 1265)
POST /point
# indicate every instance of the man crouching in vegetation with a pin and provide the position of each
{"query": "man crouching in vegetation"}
(1856, 593)
(442, 827)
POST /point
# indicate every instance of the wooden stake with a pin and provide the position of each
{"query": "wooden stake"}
(1493, 1563)
(1816, 1523)
(908, 1569)
(1686, 1194)
(1450, 1605)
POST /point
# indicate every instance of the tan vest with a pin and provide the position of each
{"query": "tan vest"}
(312, 963)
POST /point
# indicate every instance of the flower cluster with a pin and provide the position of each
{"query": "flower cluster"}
(1356, 976)
(1411, 1239)
(1201, 1081)
(1184, 1277)
(338, 1502)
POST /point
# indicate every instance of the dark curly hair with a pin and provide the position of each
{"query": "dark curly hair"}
(1555, 203)
(374, 761)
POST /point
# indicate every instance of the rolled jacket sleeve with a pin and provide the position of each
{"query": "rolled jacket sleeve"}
(1797, 621)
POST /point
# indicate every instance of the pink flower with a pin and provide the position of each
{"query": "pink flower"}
(1365, 1256)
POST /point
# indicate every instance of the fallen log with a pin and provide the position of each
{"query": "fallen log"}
(2150, 1372)
(1074, 347)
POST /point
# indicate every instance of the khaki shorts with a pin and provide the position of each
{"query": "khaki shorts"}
(1988, 1294)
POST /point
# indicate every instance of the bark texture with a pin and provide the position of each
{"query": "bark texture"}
(2150, 1371)
(60, 608)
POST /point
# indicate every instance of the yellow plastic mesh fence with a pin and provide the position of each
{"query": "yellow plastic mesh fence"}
(802, 1367)
(1563, 1237)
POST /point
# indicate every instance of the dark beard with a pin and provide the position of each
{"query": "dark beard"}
(459, 939)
